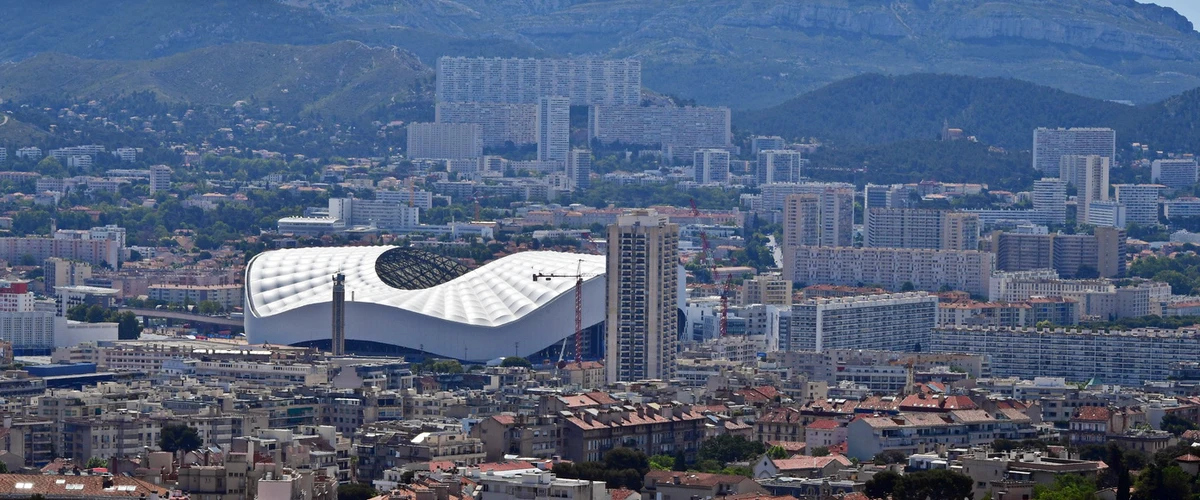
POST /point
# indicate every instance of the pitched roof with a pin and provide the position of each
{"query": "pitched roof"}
(1187, 458)
(824, 424)
(1092, 413)
(788, 446)
(58, 486)
(620, 493)
(505, 419)
(810, 463)
(693, 478)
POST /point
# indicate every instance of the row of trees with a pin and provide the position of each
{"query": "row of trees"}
(128, 327)
(626, 467)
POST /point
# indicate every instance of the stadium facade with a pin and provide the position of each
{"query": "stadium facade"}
(403, 299)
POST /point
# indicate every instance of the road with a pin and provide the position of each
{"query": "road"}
(775, 251)
(195, 318)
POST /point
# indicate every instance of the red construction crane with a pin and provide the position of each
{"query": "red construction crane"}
(579, 277)
(706, 257)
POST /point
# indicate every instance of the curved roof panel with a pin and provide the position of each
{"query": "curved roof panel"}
(492, 295)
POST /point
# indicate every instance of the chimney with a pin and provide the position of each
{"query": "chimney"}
(107, 481)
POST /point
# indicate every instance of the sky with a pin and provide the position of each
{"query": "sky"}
(1189, 8)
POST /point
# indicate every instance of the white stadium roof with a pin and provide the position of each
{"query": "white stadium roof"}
(485, 312)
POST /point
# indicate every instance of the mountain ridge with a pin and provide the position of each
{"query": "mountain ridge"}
(744, 54)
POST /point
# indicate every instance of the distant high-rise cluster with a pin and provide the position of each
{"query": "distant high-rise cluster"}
(583, 81)
(779, 165)
(922, 228)
(1050, 145)
(711, 165)
(680, 131)
(445, 141)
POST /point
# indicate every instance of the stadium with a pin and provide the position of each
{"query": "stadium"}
(407, 301)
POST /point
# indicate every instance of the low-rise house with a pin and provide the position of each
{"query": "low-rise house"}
(674, 485)
(800, 466)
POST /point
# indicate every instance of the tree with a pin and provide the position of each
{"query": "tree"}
(1176, 425)
(907, 286)
(940, 484)
(890, 457)
(882, 485)
(626, 458)
(820, 451)
(128, 327)
(1117, 467)
(96, 314)
(662, 462)
(95, 462)
(178, 437)
(777, 452)
(726, 448)
(77, 312)
(1158, 482)
(441, 366)
(515, 361)
(355, 491)
(1067, 487)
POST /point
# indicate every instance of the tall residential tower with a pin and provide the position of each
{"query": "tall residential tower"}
(643, 290)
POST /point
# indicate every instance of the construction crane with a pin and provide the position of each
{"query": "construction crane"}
(579, 276)
(706, 257)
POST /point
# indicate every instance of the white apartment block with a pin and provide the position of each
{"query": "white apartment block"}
(685, 127)
(774, 195)
(3, 154)
(1141, 202)
(269, 374)
(1050, 145)
(1050, 200)
(536, 485)
(1017, 286)
(385, 215)
(499, 123)
(229, 296)
(1073, 169)
(584, 81)
(1110, 357)
(418, 198)
(160, 178)
(922, 228)
(779, 165)
(925, 269)
(579, 169)
(893, 322)
(553, 128)
(1095, 184)
(30, 153)
(764, 143)
(126, 154)
(1107, 214)
(95, 252)
(711, 166)
(1174, 173)
(444, 141)
(1181, 208)
(819, 219)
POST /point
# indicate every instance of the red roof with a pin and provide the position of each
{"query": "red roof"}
(801, 463)
(824, 424)
(1092, 413)
(620, 493)
(505, 419)
(1187, 458)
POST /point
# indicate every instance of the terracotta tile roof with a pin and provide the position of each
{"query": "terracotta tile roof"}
(602, 398)
(586, 365)
(505, 466)
(824, 424)
(1092, 414)
(505, 419)
(1187, 458)
(693, 478)
(442, 465)
(783, 415)
(958, 403)
(972, 416)
(1194, 435)
(876, 403)
(620, 493)
(577, 401)
(72, 486)
(810, 463)
(788, 446)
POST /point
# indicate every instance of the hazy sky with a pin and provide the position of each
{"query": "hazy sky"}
(1189, 8)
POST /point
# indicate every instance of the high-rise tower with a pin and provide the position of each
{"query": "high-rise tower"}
(643, 292)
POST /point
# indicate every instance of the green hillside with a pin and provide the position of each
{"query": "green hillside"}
(343, 78)
(877, 109)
